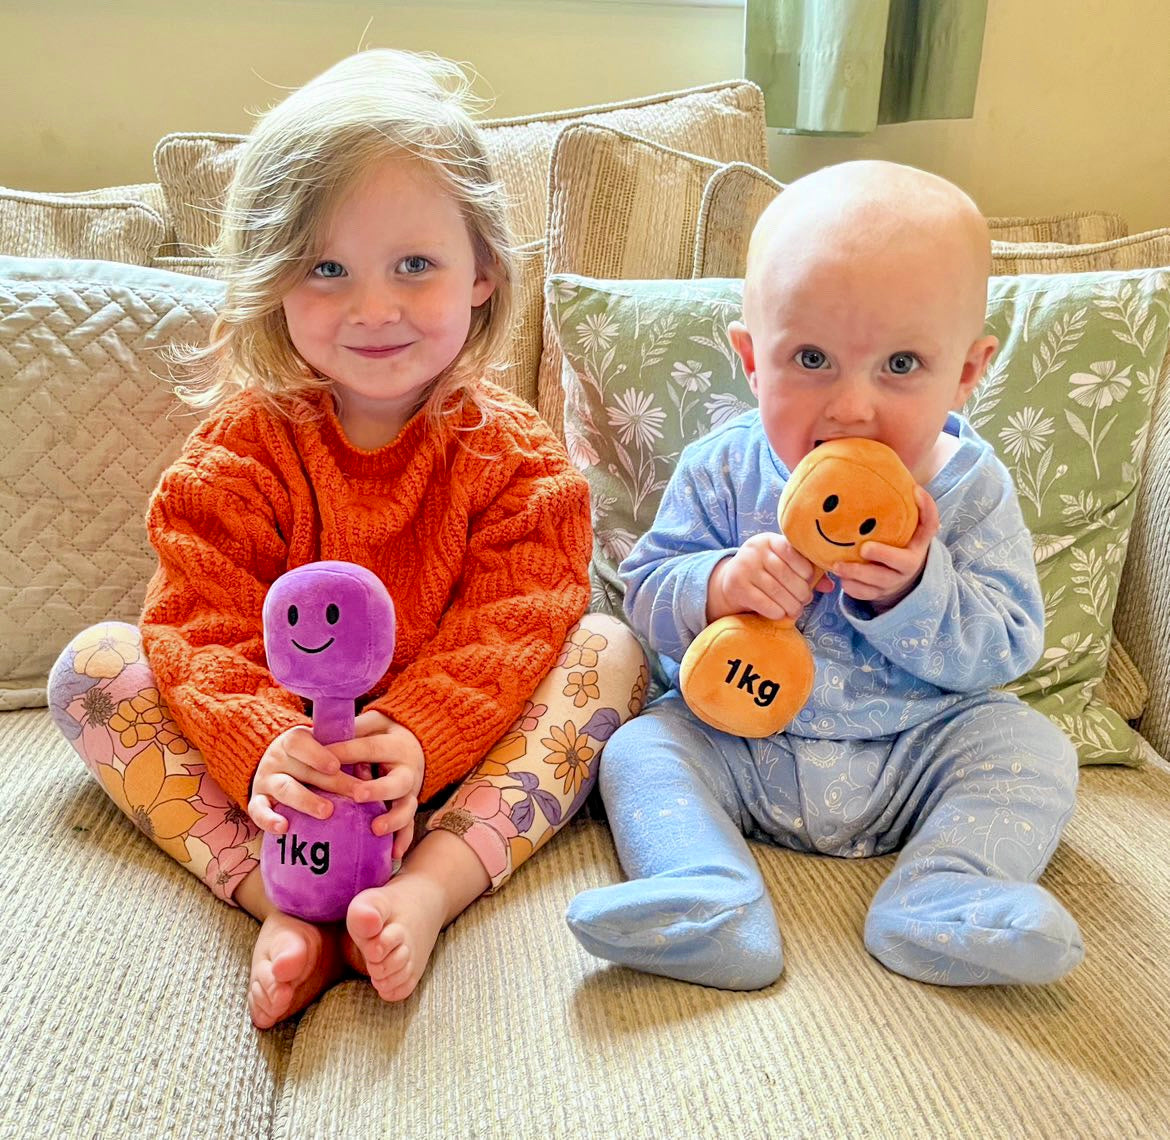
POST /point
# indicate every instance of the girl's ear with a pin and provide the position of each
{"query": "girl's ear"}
(978, 358)
(483, 288)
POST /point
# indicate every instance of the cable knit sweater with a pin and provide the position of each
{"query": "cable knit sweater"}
(482, 538)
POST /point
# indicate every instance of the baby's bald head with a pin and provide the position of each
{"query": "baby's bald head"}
(868, 210)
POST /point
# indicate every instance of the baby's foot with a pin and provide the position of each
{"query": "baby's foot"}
(394, 929)
(292, 963)
(957, 929)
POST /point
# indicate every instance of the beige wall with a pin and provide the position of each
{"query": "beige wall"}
(1073, 111)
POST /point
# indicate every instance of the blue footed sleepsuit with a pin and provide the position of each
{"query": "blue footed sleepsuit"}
(903, 744)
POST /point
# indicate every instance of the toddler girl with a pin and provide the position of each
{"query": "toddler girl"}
(369, 287)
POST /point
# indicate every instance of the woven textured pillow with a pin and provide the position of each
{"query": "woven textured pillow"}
(89, 423)
(1066, 403)
(722, 120)
(1069, 229)
(1137, 251)
(620, 206)
(88, 225)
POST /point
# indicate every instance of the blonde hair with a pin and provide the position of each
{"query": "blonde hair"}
(300, 158)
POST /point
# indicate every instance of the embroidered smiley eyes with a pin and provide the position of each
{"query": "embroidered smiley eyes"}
(332, 614)
(831, 504)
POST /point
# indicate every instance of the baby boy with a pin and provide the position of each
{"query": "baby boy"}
(863, 316)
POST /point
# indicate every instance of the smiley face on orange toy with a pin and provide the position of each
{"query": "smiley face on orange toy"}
(844, 493)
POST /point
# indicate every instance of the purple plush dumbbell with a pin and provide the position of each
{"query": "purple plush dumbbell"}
(329, 636)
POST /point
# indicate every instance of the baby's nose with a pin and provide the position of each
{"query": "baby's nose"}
(851, 401)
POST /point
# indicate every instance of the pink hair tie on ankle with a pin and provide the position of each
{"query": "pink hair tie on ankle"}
(329, 636)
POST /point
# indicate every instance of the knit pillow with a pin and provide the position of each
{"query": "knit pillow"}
(87, 225)
(1066, 403)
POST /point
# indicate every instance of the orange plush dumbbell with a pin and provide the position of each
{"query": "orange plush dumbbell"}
(748, 675)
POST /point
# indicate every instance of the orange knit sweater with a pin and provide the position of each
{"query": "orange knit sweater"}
(482, 538)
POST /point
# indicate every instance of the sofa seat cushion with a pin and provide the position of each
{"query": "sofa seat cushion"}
(123, 980)
(517, 1031)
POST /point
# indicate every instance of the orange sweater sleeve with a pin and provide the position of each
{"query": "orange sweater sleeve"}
(213, 522)
(525, 584)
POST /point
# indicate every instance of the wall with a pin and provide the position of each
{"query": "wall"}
(1073, 111)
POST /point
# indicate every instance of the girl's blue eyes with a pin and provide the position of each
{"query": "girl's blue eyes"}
(411, 266)
(900, 364)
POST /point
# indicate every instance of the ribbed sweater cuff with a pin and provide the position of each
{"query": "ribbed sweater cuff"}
(450, 745)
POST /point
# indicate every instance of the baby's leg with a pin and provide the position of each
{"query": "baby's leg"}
(525, 790)
(961, 906)
(103, 697)
(695, 906)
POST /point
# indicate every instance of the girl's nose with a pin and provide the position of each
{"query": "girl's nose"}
(376, 304)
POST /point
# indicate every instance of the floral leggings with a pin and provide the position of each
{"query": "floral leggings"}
(102, 696)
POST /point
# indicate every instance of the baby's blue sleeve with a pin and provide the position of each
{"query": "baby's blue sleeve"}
(976, 618)
(666, 573)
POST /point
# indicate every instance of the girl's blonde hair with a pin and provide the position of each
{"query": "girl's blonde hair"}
(293, 168)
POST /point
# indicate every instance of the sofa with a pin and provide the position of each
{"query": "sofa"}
(122, 978)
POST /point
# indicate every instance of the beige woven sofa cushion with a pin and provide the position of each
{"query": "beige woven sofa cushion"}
(1072, 229)
(620, 206)
(837, 1048)
(94, 224)
(723, 120)
(88, 424)
(1137, 251)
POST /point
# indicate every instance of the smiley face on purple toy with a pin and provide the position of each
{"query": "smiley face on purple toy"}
(328, 630)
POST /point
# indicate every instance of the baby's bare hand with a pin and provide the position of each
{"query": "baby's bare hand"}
(765, 576)
(889, 573)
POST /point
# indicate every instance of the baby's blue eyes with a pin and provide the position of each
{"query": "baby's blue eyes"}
(812, 358)
(900, 364)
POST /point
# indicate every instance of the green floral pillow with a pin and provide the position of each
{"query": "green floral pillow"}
(1066, 403)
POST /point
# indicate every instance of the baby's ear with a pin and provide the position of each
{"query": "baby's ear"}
(978, 358)
(741, 341)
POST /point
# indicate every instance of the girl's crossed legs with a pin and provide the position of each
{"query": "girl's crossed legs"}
(103, 697)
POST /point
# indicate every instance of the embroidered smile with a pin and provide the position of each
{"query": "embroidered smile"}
(319, 649)
(822, 534)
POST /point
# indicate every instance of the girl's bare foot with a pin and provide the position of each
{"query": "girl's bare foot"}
(394, 927)
(292, 963)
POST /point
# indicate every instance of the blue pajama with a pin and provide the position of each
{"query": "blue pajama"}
(904, 745)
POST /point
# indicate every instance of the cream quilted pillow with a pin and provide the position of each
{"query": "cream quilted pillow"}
(88, 423)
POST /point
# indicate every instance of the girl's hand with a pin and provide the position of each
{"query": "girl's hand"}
(765, 576)
(889, 573)
(292, 766)
(382, 741)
